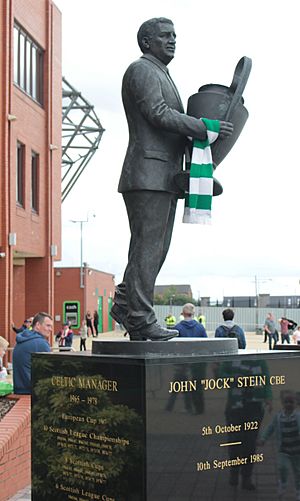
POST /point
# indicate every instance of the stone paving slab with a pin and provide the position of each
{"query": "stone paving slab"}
(23, 495)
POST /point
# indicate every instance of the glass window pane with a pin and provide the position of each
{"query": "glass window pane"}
(34, 72)
(22, 61)
(28, 64)
(28, 67)
(16, 55)
(40, 74)
(20, 174)
(34, 181)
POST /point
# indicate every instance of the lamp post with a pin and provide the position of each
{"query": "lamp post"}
(171, 302)
(257, 281)
(81, 222)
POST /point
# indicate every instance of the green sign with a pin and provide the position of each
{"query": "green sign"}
(71, 313)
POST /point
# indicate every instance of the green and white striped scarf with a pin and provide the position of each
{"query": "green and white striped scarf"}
(198, 201)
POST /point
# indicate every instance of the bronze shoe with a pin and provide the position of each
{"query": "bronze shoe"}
(154, 333)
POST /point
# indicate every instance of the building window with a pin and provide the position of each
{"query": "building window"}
(28, 64)
(20, 174)
(34, 181)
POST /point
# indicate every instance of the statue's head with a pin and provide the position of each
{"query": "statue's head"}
(157, 37)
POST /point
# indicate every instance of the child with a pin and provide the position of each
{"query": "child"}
(83, 332)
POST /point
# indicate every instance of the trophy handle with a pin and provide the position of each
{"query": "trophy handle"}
(238, 84)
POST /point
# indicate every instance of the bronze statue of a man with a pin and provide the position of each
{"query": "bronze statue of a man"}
(158, 130)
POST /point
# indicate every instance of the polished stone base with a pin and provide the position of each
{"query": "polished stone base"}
(146, 426)
(176, 347)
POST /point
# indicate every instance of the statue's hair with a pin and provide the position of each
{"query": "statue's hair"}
(147, 29)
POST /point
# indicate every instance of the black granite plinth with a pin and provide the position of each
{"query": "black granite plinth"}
(288, 347)
(151, 427)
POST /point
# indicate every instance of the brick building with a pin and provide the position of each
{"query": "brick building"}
(75, 295)
(30, 158)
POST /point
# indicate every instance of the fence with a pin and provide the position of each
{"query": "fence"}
(250, 319)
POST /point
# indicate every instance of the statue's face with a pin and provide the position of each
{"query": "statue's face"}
(162, 43)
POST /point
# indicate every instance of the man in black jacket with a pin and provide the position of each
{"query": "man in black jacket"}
(158, 130)
(26, 325)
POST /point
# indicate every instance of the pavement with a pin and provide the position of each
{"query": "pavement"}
(254, 342)
(23, 495)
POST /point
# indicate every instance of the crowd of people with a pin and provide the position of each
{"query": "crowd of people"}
(286, 327)
(190, 325)
(35, 332)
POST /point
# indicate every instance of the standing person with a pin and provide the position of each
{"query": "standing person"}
(292, 326)
(170, 321)
(296, 335)
(89, 322)
(83, 332)
(27, 324)
(3, 347)
(265, 335)
(285, 426)
(61, 335)
(189, 327)
(230, 329)
(270, 328)
(28, 342)
(69, 334)
(202, 319)
(245, 402)
(96, 322)
(65, 337)
(284, 330)
(158, 130)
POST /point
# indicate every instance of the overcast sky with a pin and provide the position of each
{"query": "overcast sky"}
(254, 229)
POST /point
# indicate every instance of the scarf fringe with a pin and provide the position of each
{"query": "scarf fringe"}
(196, 216)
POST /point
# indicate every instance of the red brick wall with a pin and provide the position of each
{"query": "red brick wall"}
(67, 288)
(103, 283)
(15, 448)
(55, 128)
(39, 129)
(19, 306)
(39, 278)
(5, 94)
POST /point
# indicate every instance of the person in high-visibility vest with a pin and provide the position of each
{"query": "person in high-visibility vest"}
(202, 319)
(170, 321)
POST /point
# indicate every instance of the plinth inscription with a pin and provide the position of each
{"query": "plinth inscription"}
(89, 424)
(212, 421)
(126, 429)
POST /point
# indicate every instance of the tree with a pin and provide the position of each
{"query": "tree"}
(171, 296)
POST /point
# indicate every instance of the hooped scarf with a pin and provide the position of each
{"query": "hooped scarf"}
(198, 201)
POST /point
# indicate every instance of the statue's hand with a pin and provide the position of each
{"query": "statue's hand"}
(226, 129)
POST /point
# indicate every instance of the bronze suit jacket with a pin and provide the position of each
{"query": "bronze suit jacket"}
(158, 127)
